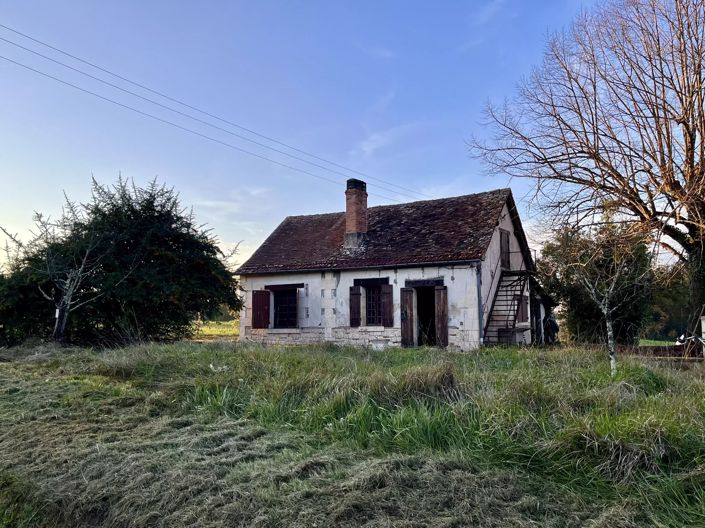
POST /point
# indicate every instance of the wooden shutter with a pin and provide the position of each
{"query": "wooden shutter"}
(355, 310)
(407, 316)
(260, 309)
(441, 316)
(505, 255)
(387, 305)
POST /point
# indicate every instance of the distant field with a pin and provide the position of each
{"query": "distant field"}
(656, 342)
(222, 434)
(217, 329)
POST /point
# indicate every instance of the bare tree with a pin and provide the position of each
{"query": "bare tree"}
(64, 254)
(615, 117)
(604, 263)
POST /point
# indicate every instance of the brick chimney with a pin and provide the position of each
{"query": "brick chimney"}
(355, 214)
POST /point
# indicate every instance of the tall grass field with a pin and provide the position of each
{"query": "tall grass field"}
(222, 434)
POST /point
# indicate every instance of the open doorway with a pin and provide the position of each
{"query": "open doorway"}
(424, 313)
(426, 309)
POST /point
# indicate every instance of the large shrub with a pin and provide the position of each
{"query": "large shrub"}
(153, 270)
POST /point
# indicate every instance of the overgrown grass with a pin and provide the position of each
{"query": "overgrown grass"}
(17, 507)
(623, 451)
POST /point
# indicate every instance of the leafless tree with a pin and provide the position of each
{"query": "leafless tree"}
(604, 264)
(64, 254)
(615, 117)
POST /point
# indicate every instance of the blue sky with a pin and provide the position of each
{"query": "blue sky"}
(391, 89)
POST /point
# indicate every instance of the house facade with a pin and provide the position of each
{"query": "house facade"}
(452, 272)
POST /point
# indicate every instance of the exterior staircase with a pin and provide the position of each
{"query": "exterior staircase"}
(501, 326)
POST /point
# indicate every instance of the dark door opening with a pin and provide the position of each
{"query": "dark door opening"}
(426, 308)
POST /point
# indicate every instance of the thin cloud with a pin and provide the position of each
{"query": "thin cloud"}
(235, 203)
(487, 12)
(383, 102)
(471, 44)
(378, 52)
(383, 139)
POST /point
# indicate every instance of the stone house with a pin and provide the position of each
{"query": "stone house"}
(451, 272)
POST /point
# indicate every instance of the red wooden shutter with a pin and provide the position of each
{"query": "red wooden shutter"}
(441, 316)
(260, 309)
(355, 297)
(387, 305)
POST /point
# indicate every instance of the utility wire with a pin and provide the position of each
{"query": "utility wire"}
(189, 116)
(185, 129)
(214, 116)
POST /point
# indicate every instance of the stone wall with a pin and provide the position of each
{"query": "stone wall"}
(460, 339)
(283, 336)
(372, 336)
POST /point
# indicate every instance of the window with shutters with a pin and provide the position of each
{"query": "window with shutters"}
(285, 308)
(373, 306)
(372, 303)
(505, 255)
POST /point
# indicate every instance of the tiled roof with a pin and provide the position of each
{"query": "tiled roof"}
(447, 230)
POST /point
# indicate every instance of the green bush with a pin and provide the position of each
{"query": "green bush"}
(154, 271)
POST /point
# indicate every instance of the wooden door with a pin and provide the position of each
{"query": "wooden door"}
(441, 316)
(407, 317)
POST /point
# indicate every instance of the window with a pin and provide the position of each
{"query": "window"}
(505, 255)
(522, 308)
(285, 309)
(284, 303)
(373, 305)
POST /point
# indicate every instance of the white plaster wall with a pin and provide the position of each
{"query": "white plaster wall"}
(491, 266)
(326, 300)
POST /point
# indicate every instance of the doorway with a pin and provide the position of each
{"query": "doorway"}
(426, 310)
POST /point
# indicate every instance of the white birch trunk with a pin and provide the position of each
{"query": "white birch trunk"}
(611, 346)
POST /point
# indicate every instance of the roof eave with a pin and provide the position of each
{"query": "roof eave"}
(354, 268)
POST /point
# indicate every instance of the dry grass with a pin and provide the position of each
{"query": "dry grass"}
(216, 435)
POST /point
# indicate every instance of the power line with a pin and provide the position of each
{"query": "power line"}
(184, 114)
(214, 116)
(185, 129)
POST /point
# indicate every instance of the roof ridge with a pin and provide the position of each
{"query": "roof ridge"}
(315, 214)
(501, 189)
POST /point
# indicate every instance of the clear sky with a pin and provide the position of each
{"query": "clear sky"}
(392, 89)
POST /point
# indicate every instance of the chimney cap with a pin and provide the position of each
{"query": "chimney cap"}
(354, 183)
